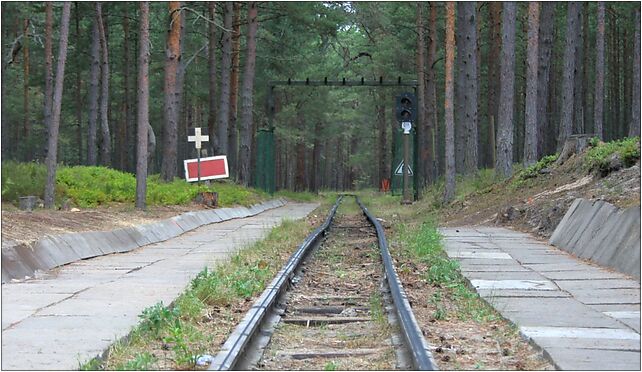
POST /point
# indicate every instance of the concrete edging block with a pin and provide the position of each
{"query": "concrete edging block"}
(19, 260)
(602, 233)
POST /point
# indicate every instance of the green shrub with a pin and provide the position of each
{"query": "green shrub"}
(598, 157)
(21, 179)
(89, 187)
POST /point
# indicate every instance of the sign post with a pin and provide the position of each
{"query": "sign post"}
(198, 138)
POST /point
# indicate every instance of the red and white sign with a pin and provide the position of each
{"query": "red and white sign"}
(212, 168)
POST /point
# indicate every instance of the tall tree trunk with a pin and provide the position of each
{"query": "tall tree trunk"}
(125, 122)
(586, 94)
(530, 111)
(494, 58)
(617, 98)
(421, 124)
(171, 90)
(77, 93)
(142, 116)
(448, 102)
(104, 87)
(504, 159)
(299, 184)
(430, 167)
(598, 116)
(94, 82)
(52, 152)
(566, 122)
(460, 82)
(545, 51)
(48, 98)
(467, 18)
(232, 133)
(578, 74)
(26, 122)
(211, 66)
(246, 95)
(634, 125)
(226, 66)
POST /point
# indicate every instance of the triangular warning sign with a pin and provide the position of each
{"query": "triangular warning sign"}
(399, 170)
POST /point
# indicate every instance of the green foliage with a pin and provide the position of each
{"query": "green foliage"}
(156, 317)
(89, 187)
(598, 157)
(93, 364)
(22, 179)
(533, 170)
(331, 366)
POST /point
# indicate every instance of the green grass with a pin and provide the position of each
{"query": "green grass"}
(598, 156)
(88, 187)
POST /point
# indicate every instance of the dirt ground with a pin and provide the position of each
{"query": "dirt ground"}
(28, 227)
(539, 204)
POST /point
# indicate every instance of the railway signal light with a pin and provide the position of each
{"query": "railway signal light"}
(406, 108)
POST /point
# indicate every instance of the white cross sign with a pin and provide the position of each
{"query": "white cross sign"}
(198, 137)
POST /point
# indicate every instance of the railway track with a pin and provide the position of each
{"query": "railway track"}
(336, 304)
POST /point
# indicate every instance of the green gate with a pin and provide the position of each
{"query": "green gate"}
(265, 160)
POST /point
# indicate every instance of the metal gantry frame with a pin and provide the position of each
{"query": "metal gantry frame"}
(265, 164)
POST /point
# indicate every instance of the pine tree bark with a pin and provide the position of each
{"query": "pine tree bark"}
(544, 65)
(530, 110)
(232, 133)
(430, 167)
(211, 67)
(566, 120)
(171, 90)
(598, 112)
(634, 125)
(226, 67)
(104, 90)
(586, 94)
(578, 75)
(77, 94)
(467, 18)
(494, 58)
(504, 158)
(48, 98)
(422, 127)
(26, 122)
(94, 83)
(460, 81)
(142, 116)
(448, 103)
(246, 95)
(125, 121)
(52, 152)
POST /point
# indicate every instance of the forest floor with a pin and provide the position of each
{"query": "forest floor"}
(536, 205)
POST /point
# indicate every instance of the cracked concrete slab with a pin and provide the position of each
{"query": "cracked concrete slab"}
(73, 313)
(587, 317)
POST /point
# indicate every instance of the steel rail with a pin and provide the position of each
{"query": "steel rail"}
(415, 342)
(234, 346)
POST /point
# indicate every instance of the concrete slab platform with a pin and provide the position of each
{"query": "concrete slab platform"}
(586, 317)
(76, 311)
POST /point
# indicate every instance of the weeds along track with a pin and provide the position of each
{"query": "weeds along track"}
(337, 304)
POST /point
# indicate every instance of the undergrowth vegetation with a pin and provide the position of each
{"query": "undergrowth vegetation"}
(599, 156)
(88, 187)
